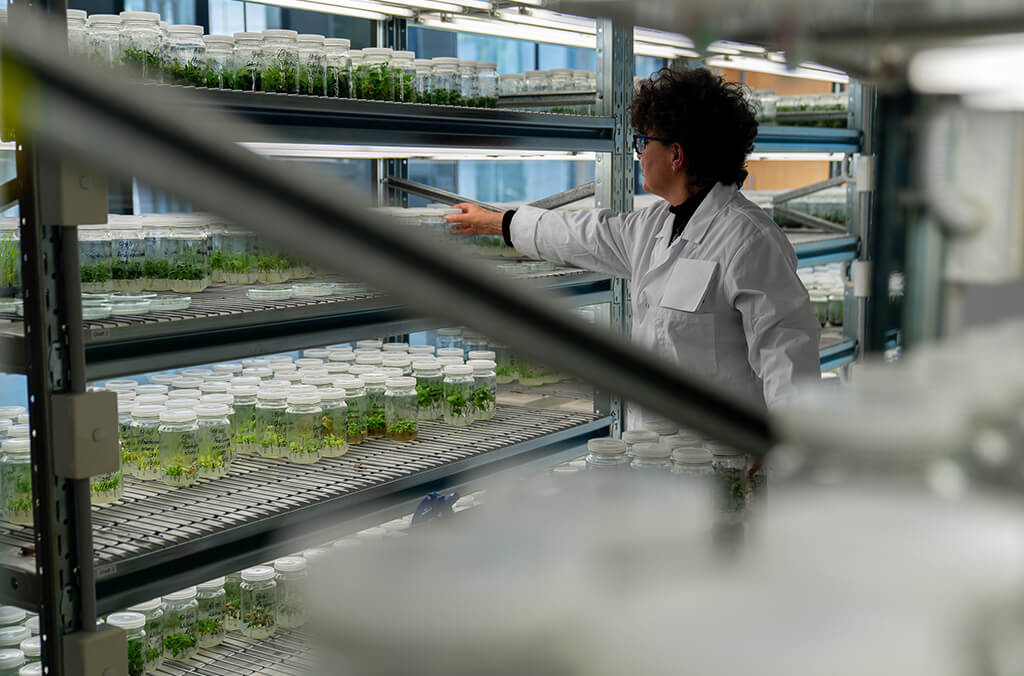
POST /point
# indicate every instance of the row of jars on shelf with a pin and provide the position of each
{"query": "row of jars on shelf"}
(827, 292)
(20, 645)
(563, 80)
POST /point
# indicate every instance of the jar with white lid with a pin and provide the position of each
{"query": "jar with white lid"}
(473, 342)
(663, 428)
(485, 388)
(445, 82)
(181, 613)
(355, 401)
(429, 389)
(233, 601)
(453, 351)
(469, 88)
(292, 592)
(487, 84)
(631, 437)
(108, 487)
(607, 454)
(166, 379)
(395, 348)
(95, 252)
(151, 389)
(11, 413)
(424, 70)
(279, 62)
(304, 426)
(215, 453)
(258, 599)
(835, 307)
(146, 442)
(405, 76)
(693, 464)
(33, 625)
(488, 355)
(320, 380)
(16, 486)
(355, 61)
(153, 611)
(312, 65)
(341, 357)
(560, 80)
(819, 305)
(648, 456)
(31, 669)
(375, 79)
(399, 361)
(261, 372)
(32, 647)
(338, 67)
(134, 626)
(581, 84)
(219, 70)
(181, 404)
(271, 422)
(19, 431)
(334, 423)
(104, 39)
(370, 358)
(400, 409)
(179, 447)
(186, 56)
(211, 598)
(458, 395)
(421, 350)
(129, 254)
(536, 82)
(11, 616)
(11, 637)
(246, 61)
(729, 466)
(11, 661)
(511, 84)
(142, 45)
(374, 384)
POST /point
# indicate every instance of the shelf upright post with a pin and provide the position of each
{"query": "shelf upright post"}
(55, 364)
(614, 170)
(392, 32)
(858, 202)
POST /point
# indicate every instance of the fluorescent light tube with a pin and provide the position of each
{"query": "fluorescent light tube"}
(804, 71)
(967, 70)
(798, 157)
(662, 51)
(539, 17)
(509, 30)
(360, 11)
(430, 4)
(662, 38)
(340, 151)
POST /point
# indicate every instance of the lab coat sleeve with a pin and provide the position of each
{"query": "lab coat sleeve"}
(594, 239)
(781, 330)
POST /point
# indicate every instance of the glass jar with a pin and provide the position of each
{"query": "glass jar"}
(473, 342)
(511, 84)
(398, 361)
(375, 79)
(233, 601)
(179, 447)
(631, 437)
(469, 88)
(246, 61)
(729, 466)
(334, 423)
(108, 487)
(153, 611)
(374, 383)
(355, 61)
(487, 84)
(607, 454)
(447, 339)
(693, 465)
(279, 61)
(405, 76)
(271, 423)
(94, 257)
(370, 358)
(581, 85)
(429, 390)
(400, 408)
(142, 44)
(835, 308)
(355, 400)
(304, 425)
(424, 70)
(312, 65)
(211, 598)
(104, 39)
(485, 388)
(219, 71)
(134, 626)
(145, 444)
(536, 82)
(445, 83)
(16, 487)
(458, 395)
(11, 661)
(181, 613)
(649, 456)
(78, 32)
(186, 56)
(128, 251)
(215, 455)
(258, 598)
(338, 68)
(291, 591)
(819, 305)
(560, 80)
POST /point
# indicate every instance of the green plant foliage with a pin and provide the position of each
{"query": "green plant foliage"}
(247, 79)
(95, 274)
(280, 76)
(159, 269)
(375, 83)
(428, 394)
(312, 79)
(136, 658)
(143, 63)
(106, 485)
(401, 428)
(126, 269)
(10, 261)
(19, 505)
(186, 271)
(457, 403)
(483, 398)
(179, 645)
(260, 617)
(209, 627)
(188, 74)
(446, 97)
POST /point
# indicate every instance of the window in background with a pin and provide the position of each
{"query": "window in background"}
(234, 16)
(171, 11)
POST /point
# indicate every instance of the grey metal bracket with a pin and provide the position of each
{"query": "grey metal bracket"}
(85, 434)
(568, 197)
(548, 99)
(797, 193)
(10, 193)
(804, 218)
(809, 220)
(431, 193)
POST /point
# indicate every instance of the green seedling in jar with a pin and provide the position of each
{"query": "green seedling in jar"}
(211, 466)
(126, 270)
(208, 628)
(179, 645)
(376, 82)
(94, 274)
(143, 63)
(10, 261)
(187, 74)
(429, 394)
(338, 82)
(402, 430)
(280, 76)
(732, 490)
(246, 80)
(375, 422)
(136, 658)
(483, 399)
(332, 444)
(232, 603)
(458, 406)
(446, 97)
(158, 269)
(105, 486)
(19, 510)
(186, 271)
(312, 81)
(356, 429)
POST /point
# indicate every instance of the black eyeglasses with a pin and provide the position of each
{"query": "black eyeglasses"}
(640, 142)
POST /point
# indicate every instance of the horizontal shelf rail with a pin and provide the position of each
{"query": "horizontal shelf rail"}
(781, 139)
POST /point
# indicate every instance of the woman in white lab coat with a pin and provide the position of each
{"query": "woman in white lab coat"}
(714, 284)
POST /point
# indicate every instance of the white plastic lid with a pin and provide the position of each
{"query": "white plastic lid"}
(683, 438)
(279, 366)
(258, 574)
(311, 555)
(218, 398)
(281, 33)
(146, 607)
(337, 42)
(449, 352)
(405, 55)
(651, 450)
(185, 28)
(324, 379)
(212, 410)
(371, 343)
(11, 615)
(211, 585)
(19, 431)
(400, 383)
(184, 394)
(31, 669)
(395, 347)
(19, 445)
(246, 380)
(692, 456)
(371, 358)
(165, 378)
(450, 361)
(218, 40)
(396, 360)
(14, 635)
(331, 393)
(512, 76)
(211, 386)
(121, 385)
(247, 36)
(454, 60)
(24, 417)
(150, 389)
(181, 594)
(258, 372)
(482, 354)
(344, 357)
(639, 436)
(606, 446)
(150, 400)
(79, 14)
(33, 624)
(259, 361)
(378, 51)
(349, 383)
(242, 390)
(718, 448)
(104, 18)
(374, 378)
(481, 365)
(290, 564)
(11, 658)
(32, 646)
(272, 393)
(126, 620)
(181, 404)
(303, 398)
(312, 38)
(421, 349)
(662, 428)
(458, 370)
(11, 412)
(178, 415)
(309, 363)
(336, 367)
(140, 16)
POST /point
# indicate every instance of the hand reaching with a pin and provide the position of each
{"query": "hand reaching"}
(474, 221)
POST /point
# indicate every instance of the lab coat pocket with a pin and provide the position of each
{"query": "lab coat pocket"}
(688, 284)
(686, 331)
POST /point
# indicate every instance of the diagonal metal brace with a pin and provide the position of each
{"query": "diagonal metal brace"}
(797, 193)
(10, 193)
(431, 193)
(809, 220)
(568, 197)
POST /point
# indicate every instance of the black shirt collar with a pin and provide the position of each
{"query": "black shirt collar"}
(685, 211)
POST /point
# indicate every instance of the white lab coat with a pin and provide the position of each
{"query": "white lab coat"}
(723, 300)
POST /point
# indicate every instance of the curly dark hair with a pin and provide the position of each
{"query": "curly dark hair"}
(710, 118)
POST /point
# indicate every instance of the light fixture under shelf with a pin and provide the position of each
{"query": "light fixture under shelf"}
(508, 29)
(360, 152)
(770, 65)
(362, 9)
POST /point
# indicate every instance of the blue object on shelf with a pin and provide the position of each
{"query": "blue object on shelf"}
(435, 506)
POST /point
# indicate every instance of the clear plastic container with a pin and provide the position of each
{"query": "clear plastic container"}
(429, 390)
(11, 637)
(511, 84)
(95, 252)
(445, 83)
(468, 85)
(485, 388)
(560, 80)
(32, 647)
(279, 62)
(400, 409)
(179, 447)
(142, 45)
(607, 454)
(355, 61)
(271, 423)
(210, 627)
(258, 599)
(181, 613)
(654, 457)
(536, 81)
(581, 84)
(487, 84)
(631, 437)
(458, 395)
(128, 248)
(12, 616)
(233, 601)
(355, 400)
(448, 339)
(334, 423)
(218, 69)
(292, 592)
(186, 56)
(246, 61)
(312, 65)
(11, 661)
(424, 70)
(78, 33)
(374, 77)
(145, 443)
(134, 626)
(153, 611)
(104, 40)
(16, 484)
(819, 305)
(405, 76)
(339, 83)
(215, 453)
(399, 361)
(729, 466)
(304, 427)
(108, 487)
(374, 384)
